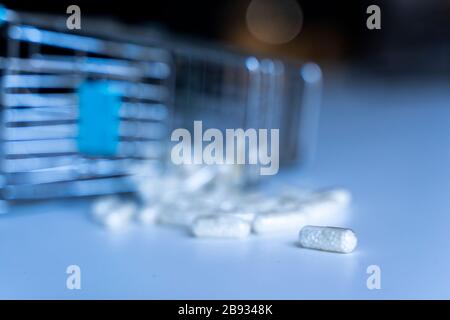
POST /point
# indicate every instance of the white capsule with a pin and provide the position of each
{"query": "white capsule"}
(245, 215)
(103, 205)
(317, 208)
(339, 195)
(321, 209)
(278, 221)
(266, 205)
(200, 179)
(220, 226)
(328, 239)
(227, 205)
(174, 216)
(112, 213)
(149, 214)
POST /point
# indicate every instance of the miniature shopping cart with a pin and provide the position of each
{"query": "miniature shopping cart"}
(85, 111)
(227, 89)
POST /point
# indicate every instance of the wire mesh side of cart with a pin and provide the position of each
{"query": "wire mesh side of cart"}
(43, 70)
(45, 65)
(226, 89)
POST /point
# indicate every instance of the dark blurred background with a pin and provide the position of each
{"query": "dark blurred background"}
(414, 35)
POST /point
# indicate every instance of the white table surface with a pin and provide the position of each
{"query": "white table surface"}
(388, 142)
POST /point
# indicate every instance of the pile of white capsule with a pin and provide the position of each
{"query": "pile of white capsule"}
(205, 200)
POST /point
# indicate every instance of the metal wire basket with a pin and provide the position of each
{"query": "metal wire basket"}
(43, 119)
(149, 85)
(228, 89)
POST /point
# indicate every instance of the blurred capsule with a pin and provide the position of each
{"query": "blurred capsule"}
(322, 206)
(264, 205)
(278, 221)
(228, 205)
(149, 214)
(103, 205)
(113, 213)
(200, 179)
(174, 216)
(339, 195)
(220, 226)
(245, 215)
(327, 205)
